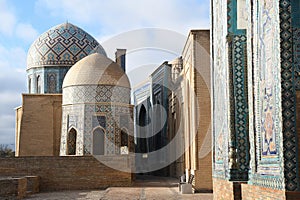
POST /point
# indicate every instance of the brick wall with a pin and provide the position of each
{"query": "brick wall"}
(13, 188)
(69, 173)
(38, 125)
(196, 69)
(251, 192)
(203, 174)
(226, 190)
(237, 190)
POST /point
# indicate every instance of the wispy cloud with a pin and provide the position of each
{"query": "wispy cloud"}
(7, 18)
(8, 102)
(12, 84)
(146, 49)
(26, 32)
(11, 58)
(12, 26)
(114, 15)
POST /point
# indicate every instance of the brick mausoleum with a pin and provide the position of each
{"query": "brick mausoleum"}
(78, 105)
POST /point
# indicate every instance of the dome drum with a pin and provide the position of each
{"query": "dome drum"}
(53, 53)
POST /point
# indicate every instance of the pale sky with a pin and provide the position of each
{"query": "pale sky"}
(152, 31)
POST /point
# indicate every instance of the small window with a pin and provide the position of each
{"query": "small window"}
(38, 84)
(29, 85)
(51, 83)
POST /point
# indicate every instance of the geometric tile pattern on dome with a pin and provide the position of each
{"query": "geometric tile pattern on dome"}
(94, 94)
(64, 44)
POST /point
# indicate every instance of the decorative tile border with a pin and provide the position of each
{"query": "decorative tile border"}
(288, 97)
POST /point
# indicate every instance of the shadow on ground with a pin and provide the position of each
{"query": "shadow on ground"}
(145, 187)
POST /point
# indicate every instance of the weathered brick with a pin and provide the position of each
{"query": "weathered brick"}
(69, 173)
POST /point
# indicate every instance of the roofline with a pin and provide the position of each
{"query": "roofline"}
(160, 66)
(142, 83)
(47, 94)
(192, 32)
(16, 108)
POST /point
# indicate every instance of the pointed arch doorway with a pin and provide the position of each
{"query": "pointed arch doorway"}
(72, 136)
(98, 141)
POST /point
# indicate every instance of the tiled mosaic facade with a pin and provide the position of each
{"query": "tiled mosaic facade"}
(265, 136)
(220, 91)
(96, 93)
(274, 133)
(84, 111)
(53, 85)
(289, 8)
(230, 95)
(270, 50)
(54, 52)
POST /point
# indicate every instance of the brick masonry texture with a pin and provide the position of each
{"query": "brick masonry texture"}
(196, 73)
(38, 125)
(68, 173)
(226, 190)
(251, 192)
(33, 184)
(203, 176)
(13, 188)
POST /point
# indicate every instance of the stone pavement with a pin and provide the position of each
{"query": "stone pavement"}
(144, 188)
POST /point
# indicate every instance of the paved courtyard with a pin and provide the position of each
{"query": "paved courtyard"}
(144, 188)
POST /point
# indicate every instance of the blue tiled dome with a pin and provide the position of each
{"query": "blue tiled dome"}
(62, 45)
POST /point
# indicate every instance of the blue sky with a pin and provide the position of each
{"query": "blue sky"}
(114, 23)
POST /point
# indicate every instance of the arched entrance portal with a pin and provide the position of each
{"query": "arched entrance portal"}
(98, 141)
(142, 132)
(72, 135)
